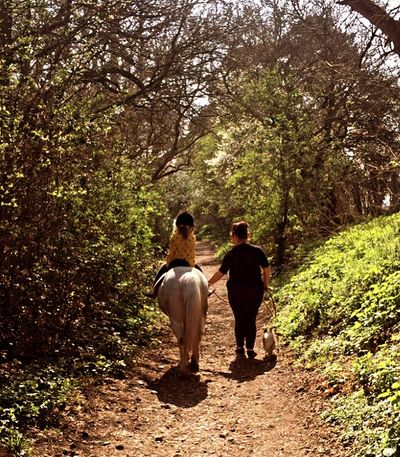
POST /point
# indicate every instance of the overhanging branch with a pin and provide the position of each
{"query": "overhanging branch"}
(379, 17)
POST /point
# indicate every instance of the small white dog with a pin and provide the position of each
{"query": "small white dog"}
(269, 341)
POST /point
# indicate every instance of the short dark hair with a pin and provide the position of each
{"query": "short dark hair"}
(184, 218)
(240, 229)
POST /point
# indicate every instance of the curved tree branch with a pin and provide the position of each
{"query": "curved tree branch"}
(379, 17)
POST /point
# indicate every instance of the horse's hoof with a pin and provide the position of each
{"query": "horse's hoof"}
(184, 374)
(194, 367)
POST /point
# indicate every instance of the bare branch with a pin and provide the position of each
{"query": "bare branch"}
(379, 17)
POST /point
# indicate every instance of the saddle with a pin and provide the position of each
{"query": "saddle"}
(174, 263)
(178, 263)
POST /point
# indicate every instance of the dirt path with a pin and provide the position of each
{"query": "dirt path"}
(235, 408)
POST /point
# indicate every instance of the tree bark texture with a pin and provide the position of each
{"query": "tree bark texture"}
(378, 17)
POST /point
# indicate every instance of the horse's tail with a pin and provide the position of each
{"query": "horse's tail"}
(193, 321)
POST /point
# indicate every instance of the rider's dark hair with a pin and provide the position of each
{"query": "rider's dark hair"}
(184, 222)
(241, 230)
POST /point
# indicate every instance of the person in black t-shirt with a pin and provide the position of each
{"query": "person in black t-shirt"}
(249, 276)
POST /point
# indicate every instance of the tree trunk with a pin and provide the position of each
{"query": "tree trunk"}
(394, 185)
(378, 17)
(5, 41)
(280, 233)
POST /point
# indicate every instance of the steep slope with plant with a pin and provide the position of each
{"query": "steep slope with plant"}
(341, 312)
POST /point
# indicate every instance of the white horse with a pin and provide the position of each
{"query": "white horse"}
(183, 297)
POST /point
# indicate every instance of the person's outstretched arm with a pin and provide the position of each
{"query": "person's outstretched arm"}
(267, 277)
(215, 277)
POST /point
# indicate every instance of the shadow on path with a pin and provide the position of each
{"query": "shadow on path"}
(242, 369)
(184, 393)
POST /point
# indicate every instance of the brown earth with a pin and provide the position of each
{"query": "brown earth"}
(232, 408)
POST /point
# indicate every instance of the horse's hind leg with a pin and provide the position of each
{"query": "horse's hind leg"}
(194, 366)
(194, 361)
(183, 362)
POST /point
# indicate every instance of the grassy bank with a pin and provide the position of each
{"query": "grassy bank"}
(341, 313)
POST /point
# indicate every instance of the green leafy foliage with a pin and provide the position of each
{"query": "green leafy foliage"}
(85, 279)
(254, 166)
(341, 312)
(77, 218)
(368, 426)
(33, 396)
(337, 284)
(370, 415)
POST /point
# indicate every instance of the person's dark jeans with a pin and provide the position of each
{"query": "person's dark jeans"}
(245, 305)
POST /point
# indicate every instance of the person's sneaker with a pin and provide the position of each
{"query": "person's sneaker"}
(251, 354)
(239, 351)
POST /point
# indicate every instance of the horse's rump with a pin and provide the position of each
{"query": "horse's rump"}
(182, 287)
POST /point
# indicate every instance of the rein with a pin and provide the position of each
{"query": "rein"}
(213, 292)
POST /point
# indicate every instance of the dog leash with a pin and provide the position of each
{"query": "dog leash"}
(268, 296)
(271, 315)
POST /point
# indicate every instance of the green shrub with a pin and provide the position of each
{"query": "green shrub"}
(30, 397)
(368, 426)
(378, 314)
(341, 313)
(334, 282)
